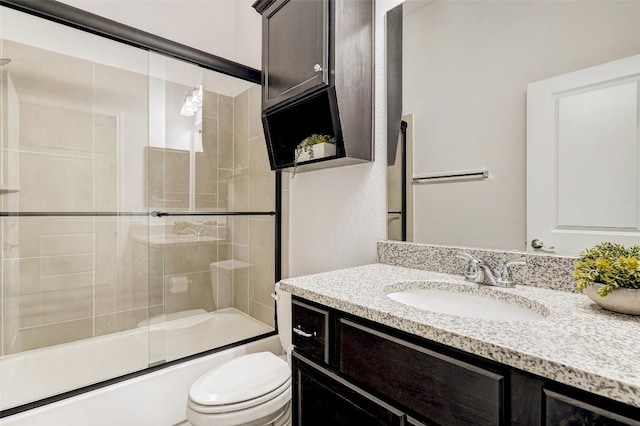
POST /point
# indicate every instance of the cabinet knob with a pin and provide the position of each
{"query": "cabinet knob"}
(318, 68)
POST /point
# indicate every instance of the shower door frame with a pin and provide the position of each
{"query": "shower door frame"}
(89, 22)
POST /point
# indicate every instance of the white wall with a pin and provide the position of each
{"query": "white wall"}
(467, 65)
(338, 214)
(227, 28)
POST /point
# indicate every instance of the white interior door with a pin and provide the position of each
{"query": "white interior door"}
(583, 157)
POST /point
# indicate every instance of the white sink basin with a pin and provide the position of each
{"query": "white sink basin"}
(464, 305)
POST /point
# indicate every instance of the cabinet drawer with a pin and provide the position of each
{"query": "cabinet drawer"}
(563, 410)
(310, 330)
(436, 387)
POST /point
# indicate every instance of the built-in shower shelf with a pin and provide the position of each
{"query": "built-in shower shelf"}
(7, 189)
(231, 264)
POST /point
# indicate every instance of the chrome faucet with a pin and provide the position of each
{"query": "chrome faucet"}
(479, 271)
(196, 230)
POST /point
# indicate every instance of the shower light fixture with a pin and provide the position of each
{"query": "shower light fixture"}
(192, 102)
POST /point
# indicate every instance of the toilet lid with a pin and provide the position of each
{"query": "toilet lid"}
(240, 379)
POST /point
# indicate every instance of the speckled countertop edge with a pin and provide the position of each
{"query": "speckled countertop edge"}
(578, 343)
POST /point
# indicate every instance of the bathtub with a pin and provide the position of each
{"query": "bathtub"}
(40, 373)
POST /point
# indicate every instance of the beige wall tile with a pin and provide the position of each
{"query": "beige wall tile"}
(28, 241)
(53, 334)
(28, 276)
(10, 169)
(241, 183)
(176, 171)
(109, 121)
(69, 264)
(206, 202)
(255, 112)
(210, 140)
(240, 252)
(107, 298)
(225, 193)
(225, 132)
(241, 130)
(241, 289)
(66, 244)
(50, 129)
(58, 226)
(224, 251)
(206, 174)
(209, 104)
(65, 305)
(29, 310)
(261, 249)
(264, 313)
(124, 93)
(65, 79)
(155, 282)
(66, 281)
(106, 189)
(240, 230)
(55, 182)
(191, 258)
(154, 165)
(262, 185)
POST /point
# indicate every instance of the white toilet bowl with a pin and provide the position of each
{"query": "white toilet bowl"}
(251, 390)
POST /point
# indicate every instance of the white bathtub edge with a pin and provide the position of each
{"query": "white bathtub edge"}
(155, 399)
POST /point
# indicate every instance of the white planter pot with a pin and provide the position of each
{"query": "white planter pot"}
(622, 300)
(320, 150)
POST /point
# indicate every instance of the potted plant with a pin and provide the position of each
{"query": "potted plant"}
(314, 146)
(609, 274)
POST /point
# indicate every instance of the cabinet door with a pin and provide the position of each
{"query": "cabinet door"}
(562, 410)
(436, 387)
(295, 49)
(321, 398)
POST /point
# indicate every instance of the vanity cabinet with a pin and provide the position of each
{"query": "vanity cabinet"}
(347, 370)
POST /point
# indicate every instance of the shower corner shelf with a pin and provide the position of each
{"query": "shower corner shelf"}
(231, 264)
(8, 189)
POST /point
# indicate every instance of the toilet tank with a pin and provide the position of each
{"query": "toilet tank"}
(283, 306)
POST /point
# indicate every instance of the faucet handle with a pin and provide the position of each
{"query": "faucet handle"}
(465, 256)
(504, 271)
(474, 272)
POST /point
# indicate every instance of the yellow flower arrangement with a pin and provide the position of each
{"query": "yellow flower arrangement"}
(613, 265)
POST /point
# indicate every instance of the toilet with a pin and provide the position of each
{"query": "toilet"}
(250, 390)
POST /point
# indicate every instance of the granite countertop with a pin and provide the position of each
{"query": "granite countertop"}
(577, 343)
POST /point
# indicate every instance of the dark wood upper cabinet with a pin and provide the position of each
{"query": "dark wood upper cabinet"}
(296, 54)
(317, 78)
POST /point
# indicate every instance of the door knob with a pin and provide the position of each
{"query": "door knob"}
(539, 245)
(318, 68)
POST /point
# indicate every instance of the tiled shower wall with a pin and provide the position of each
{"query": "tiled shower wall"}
(59, 280)
(253, 190)
(70, 278)
(232, 174)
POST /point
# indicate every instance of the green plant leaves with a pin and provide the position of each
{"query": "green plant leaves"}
(610, 264)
